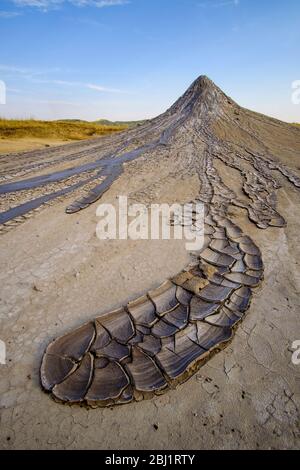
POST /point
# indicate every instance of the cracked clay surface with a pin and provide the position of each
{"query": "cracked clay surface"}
(56, 275)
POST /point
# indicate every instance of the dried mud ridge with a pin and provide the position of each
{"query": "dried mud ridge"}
(158, 340)
(161, 338)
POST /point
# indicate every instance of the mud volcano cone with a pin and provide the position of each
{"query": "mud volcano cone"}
(161, 338)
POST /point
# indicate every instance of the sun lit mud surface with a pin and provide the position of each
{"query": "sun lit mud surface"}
(163, 321)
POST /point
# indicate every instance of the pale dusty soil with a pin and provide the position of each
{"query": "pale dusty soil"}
(56, 274)
(22, 145)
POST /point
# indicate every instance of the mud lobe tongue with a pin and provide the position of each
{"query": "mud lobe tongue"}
(161, 338)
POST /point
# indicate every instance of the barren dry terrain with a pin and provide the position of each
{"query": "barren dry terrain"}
(56, 275)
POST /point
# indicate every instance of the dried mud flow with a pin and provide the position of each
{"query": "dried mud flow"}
(236, 163)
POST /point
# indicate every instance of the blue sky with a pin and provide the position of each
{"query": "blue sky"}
(121, 59)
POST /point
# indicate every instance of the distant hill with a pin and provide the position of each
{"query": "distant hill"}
(106, 122)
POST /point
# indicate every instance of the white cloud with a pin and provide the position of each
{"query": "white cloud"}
(91, 86)
(109, 3)
(46, 5)
(9, 14)
(34, 76)
(43, 4)
(222, 3)
(26, 73)
(13, 69)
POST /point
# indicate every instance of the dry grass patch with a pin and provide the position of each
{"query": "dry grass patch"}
(59, 130)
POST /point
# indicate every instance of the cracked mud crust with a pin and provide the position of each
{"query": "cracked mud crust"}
(133, 323)
(157, 340)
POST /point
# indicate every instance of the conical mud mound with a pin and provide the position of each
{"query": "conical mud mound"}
(160, 339)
